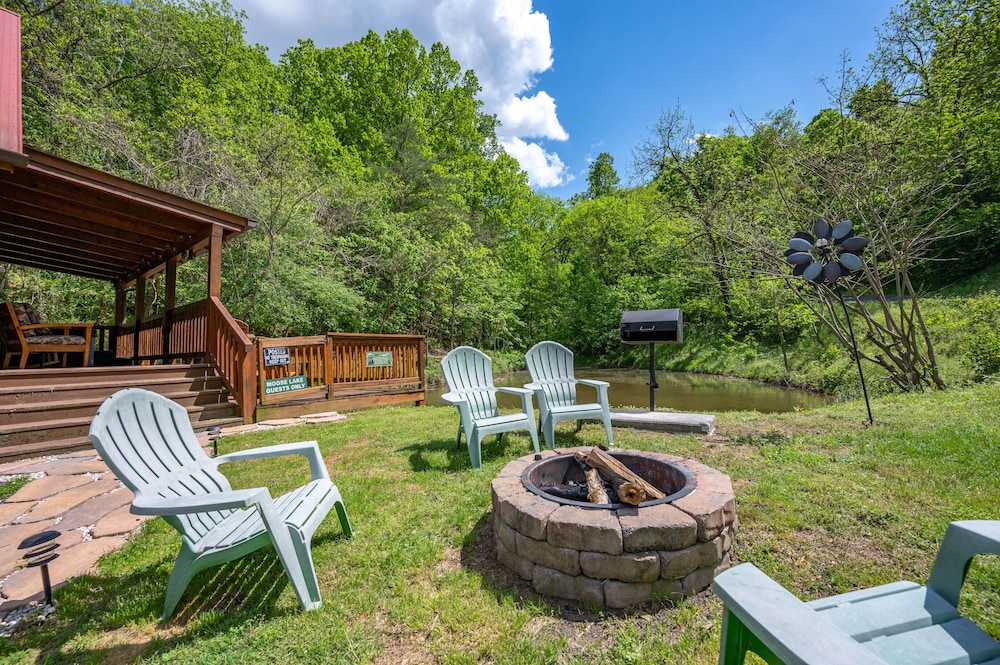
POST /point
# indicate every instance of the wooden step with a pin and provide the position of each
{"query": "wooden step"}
(72, 443)
(126, 375)
(17, 434)
(32, 411)
(19, 394)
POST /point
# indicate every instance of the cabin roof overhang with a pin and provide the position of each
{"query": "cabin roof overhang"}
(62, 216)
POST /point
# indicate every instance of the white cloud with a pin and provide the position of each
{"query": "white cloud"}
(545, 169)
(532, 117)
(505, 42)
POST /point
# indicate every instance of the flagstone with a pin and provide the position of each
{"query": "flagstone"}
(91, 510)
(59, 504)
(73, 468)
(47, 486)
(9, 511)
(118, 522)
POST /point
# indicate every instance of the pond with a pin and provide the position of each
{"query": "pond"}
(678, 391)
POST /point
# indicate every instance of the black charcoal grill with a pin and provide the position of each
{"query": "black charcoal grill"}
(653, 326)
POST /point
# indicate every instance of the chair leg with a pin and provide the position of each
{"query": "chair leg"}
(458, 439)
(534, 439)
(345, 522)
(475, 451)
(607, 430)
(180, 577)
(301, 543)
(579, 425)
(6, 359)
(550, 432)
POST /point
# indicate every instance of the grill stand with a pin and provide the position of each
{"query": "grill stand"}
(653, 385)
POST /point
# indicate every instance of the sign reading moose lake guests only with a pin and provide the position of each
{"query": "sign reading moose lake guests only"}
(285, 384)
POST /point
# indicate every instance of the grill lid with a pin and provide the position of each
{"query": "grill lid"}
(652, 325)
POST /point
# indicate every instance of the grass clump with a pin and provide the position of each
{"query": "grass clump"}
(826, 505)
(10, 486)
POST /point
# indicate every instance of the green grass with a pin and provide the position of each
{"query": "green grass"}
(9, 487)
(825, 504)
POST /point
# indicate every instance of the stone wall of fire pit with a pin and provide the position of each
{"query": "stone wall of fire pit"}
(616, 558)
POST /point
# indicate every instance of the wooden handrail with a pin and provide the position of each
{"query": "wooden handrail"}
(232, 352)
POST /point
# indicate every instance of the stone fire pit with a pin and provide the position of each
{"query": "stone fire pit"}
(620, 555)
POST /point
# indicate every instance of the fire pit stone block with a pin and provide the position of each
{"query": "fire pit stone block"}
(586, 529)
(635, 567)
(580, 588)
(563, 559)
(657, 527)
(709, 509)
(524, 568)
(505, 535)
(525, 512)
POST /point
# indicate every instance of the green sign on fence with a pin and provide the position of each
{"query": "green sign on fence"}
(285, 385)
(378, 359)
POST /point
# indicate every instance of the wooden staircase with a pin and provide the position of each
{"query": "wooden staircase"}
(45, 412)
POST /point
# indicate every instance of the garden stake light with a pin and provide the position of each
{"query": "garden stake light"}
(214, 434)
(41, 553)
(825, 256)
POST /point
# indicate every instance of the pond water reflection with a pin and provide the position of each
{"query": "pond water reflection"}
(678, 391)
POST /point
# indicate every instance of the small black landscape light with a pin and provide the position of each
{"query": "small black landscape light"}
(214, 434)
(41, 552)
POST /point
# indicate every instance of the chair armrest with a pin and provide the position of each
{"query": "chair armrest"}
(962, 541)
(520, 392)
(525, 395)
(782, 623)
(308, 449)
(593, 383)
(464, 410)
(201, 503)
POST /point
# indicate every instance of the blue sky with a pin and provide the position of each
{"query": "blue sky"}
(572, 78)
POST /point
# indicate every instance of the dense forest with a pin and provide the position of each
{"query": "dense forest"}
(384, 203)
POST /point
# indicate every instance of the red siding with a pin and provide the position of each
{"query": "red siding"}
(10, 81)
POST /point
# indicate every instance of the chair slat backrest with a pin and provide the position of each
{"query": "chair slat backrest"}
(469, 373)
(148, 442)
(551, 366)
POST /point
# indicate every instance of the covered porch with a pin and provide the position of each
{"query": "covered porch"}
(69, 218)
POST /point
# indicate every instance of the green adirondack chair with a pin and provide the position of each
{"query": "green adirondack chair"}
(901, 623)
(554, 384)
(469, 374)
(148, 442)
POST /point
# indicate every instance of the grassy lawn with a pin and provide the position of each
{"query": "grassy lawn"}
(826, 505)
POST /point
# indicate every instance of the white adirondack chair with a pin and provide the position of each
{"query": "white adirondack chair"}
(554, 384)
(469, 373)
(148, 442)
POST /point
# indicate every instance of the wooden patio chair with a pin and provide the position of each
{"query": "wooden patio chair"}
(894, 624)
(148, 442)
(554, 384)
(22, 332)
(469, 373)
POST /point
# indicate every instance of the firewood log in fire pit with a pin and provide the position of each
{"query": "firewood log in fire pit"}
(631, 488)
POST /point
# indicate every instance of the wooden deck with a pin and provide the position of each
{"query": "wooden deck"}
(48, 411)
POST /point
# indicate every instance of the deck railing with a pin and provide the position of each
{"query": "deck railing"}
(184, 328)
(292, 368)
(377, 361)
(232, 352)
(269, 371)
